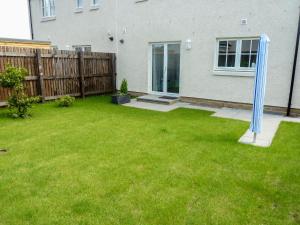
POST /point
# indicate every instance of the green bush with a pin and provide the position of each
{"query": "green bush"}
(65, 101)
(12, 77)
(124, 87)
(18, 102)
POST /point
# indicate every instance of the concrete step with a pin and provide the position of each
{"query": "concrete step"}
(164, 100)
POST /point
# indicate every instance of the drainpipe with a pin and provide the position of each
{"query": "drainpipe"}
(294, 71)
(30, 19)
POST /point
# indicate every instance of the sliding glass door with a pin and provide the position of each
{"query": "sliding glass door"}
(165, 68)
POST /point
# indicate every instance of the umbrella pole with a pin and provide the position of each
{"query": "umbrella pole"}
(254, 137)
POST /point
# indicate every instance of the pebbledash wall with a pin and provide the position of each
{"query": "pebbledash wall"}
(140, 23)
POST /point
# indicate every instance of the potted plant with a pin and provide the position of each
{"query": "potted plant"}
(122, 96)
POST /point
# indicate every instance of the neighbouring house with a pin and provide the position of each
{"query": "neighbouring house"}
(23, 43)
(200, 50)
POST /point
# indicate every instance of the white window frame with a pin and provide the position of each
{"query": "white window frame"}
(48, 6)
(237, 70)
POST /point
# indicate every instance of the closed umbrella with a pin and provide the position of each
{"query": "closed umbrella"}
(260, 86)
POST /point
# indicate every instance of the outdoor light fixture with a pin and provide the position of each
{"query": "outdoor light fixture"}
(188, 44)
(122, 41)
(110, 36)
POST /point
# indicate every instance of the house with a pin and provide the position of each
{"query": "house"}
(23, 43)
(200, 50)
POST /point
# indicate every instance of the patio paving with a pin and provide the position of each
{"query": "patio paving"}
(270, 122)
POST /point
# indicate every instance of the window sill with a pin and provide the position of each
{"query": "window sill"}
(94, 7)
(49, 18)
(78, 10)
(234, 73)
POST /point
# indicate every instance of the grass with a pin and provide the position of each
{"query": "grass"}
(98, 163)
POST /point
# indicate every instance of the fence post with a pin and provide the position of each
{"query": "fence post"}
(81, 73)
(114, 73)
(41, 73)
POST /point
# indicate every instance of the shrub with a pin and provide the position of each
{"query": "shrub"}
(12, 77)
(65, 101)
(124, 87)
(18, 102)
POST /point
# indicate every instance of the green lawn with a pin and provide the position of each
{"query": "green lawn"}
(98, 163)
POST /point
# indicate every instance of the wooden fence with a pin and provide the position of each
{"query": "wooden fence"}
(52, 74)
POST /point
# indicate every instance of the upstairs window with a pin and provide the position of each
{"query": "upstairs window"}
(79, 4)
(48, 8)
(236, 54)
(82, 48)
(95, 2)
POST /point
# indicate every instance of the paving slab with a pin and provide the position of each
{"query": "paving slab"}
(151, 106)
(229, 113)
(270, 122)
(264, 139)
(291, 119)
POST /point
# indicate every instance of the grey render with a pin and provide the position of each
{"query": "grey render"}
(202, 21)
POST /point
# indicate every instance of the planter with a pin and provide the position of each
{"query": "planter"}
(120, 99)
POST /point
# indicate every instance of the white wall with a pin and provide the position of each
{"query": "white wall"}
(89, 27)
(175, 20)
(204, 21)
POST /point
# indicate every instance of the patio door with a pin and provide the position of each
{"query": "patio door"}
(165, 68)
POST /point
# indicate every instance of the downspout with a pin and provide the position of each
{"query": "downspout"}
(30, 19)
(294, 71)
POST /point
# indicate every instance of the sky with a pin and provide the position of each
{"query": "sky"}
(14, 19)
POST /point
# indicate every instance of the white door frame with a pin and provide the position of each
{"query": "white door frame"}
(150, 54)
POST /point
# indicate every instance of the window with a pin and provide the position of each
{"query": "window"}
(79, 4)
(82, 48)
(236, 54)
(48, 8)
(249, 53)
(95, 2)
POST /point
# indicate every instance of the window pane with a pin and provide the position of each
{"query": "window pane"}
(95, 2)
(231, 47)
(254, 49)
(158, 68)
(173, 68)
(246, 46)
(79, 3)
(231, 61)
(222, 46)
(222, 61)
(253, 61)
(52, 8)
(245, 61)
(87, 49)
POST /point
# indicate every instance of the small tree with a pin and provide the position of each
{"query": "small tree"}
(18, 102)
(124, 87)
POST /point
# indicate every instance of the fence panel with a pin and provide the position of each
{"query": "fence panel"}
(54, 73)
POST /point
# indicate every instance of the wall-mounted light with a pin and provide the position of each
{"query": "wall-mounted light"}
(188, 44)
(110, 36)
(122, 41)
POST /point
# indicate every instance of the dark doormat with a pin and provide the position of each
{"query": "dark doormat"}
(168, 97)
